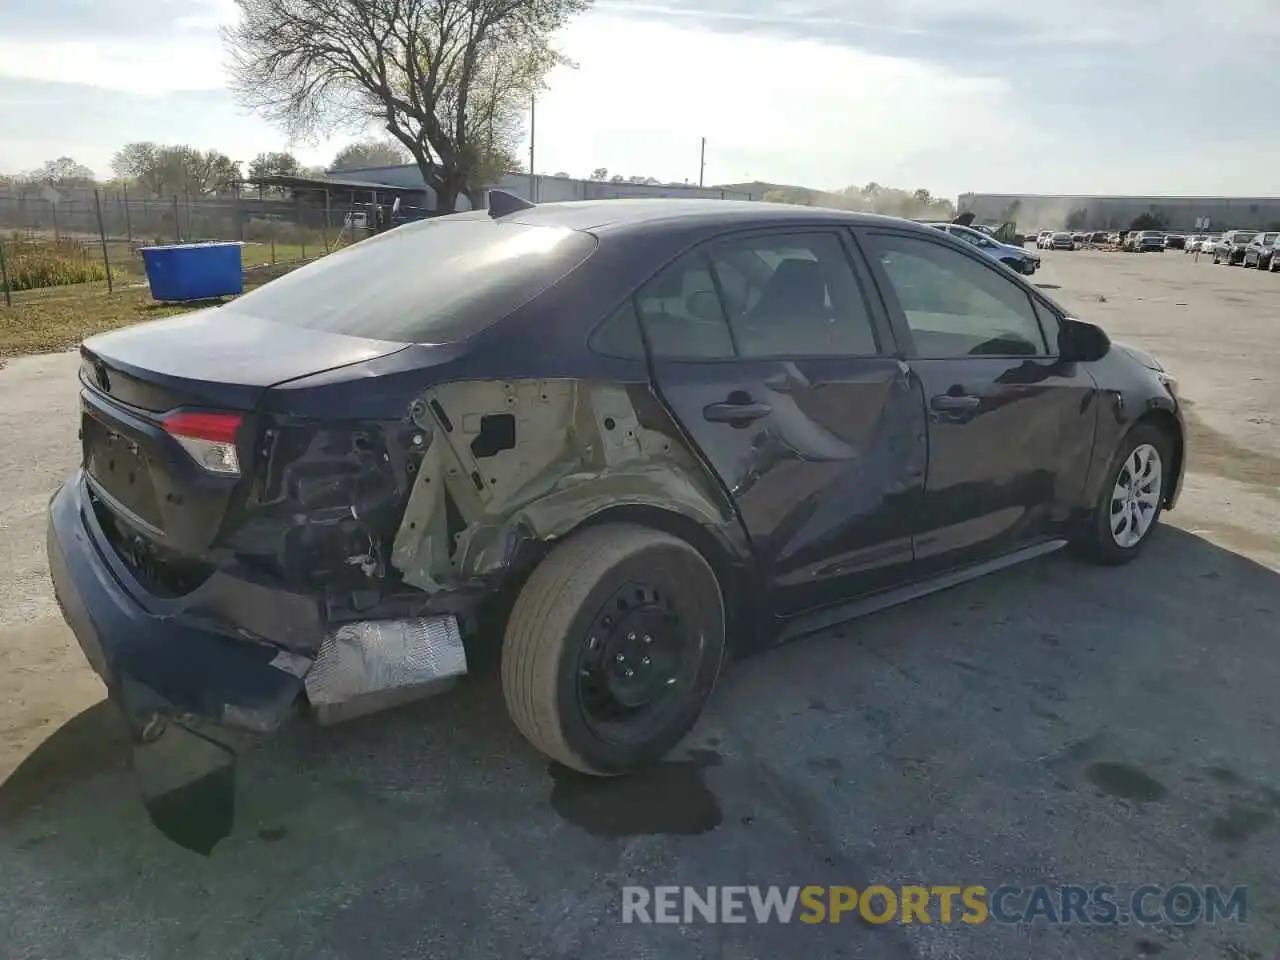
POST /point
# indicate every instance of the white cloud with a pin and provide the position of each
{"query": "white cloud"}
(185, 60)
(952, 95)
(645, 93)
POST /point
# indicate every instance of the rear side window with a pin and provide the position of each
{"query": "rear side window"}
(435, 281)
(792, 295)
(682, 314)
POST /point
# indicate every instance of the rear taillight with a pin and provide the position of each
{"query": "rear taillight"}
(210, 439)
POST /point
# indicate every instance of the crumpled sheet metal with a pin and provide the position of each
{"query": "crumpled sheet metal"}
(369, 665)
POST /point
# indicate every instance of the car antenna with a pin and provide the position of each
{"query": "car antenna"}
(502, 204)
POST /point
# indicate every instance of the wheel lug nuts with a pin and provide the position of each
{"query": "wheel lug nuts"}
(648, 639)
(631, 636)
(645, 661)
(630, 672)
(620, 658)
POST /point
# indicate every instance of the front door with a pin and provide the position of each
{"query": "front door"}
(1011, 427)
(767, 349)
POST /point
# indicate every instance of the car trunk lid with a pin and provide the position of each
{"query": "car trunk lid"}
(218, 357)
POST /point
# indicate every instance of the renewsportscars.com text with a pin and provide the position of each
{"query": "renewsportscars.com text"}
(1103, 904)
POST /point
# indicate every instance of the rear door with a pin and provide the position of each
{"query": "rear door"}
(774, 359)
(1010, 426)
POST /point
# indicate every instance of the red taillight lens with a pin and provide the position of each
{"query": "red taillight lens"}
(210, 439)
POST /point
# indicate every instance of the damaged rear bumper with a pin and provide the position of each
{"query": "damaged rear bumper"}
(157, 659)
(193, 694)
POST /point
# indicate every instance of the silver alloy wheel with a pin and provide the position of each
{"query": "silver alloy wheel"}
(1136, 496)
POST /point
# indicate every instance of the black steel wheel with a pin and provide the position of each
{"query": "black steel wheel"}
(613, 647)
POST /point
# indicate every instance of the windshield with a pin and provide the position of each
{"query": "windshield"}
(1243, 236)
(436, 281)
(1062, 236)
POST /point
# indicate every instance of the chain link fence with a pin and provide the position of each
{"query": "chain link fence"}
(93, 239)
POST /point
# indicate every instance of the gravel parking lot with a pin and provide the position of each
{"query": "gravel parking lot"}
(1054, 723)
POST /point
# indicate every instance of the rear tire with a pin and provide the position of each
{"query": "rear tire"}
(1131, 500)
(613, 647)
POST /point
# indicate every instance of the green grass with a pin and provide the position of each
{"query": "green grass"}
(58, 318)
(35, 265)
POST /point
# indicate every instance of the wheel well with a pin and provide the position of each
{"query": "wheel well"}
(1167, 423)
(739, 597)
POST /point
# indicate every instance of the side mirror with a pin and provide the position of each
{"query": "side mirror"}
(1081, 342)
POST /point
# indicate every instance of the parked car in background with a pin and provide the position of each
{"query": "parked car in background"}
(1116, 237)
(621, 441)
(1230, 249)
(1043, 238)
(1098, 237)
(1080, 238)
(1261, 251)
(1062, 241)
(1017, 259)
(1193, 243)
(1175, 241)
(1146, 241)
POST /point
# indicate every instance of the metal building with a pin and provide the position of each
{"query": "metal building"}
(1051, 212)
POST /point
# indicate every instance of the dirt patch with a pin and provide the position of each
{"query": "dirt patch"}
(1217, 454)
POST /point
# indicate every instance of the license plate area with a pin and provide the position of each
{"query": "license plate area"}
(119, 466)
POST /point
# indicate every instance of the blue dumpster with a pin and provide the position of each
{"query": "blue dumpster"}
(193, 271)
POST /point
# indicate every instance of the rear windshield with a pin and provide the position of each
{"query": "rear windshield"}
(1243, 236)
(434, 281)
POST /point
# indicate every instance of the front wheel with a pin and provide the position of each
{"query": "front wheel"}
(1131, 500)
(613, 647)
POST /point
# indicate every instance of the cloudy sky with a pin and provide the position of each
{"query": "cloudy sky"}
(1052, 96)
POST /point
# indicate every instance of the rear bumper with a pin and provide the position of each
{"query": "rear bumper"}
(162, 662)
(192, 694)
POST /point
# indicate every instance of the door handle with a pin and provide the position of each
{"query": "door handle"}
(950, 402)
(736, 413)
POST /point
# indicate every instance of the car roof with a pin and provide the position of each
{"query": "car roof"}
(625, 213)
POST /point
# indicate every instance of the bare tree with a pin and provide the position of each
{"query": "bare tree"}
(275, 164)
(385, 152)
(449, 79)
(65, 173)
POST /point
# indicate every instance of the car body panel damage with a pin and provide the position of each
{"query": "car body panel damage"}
(525, 459)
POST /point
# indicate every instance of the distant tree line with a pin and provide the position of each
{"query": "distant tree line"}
(161, 170)
(874, 197)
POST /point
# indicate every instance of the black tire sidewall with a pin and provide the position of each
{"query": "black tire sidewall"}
(1104, 543)
(687, 578)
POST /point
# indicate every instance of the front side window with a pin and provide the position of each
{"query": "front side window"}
(792, 295)
(956, 306)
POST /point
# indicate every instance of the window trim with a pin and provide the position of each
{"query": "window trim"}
(899, 316)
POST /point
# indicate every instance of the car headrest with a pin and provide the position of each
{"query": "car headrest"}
(795, 285)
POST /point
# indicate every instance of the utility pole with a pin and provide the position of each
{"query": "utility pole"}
(533, 121)
(702, 162)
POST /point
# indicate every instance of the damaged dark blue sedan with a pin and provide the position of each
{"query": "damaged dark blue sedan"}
(612, 442)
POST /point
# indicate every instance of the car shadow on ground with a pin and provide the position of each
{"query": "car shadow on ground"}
(1053, 722)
